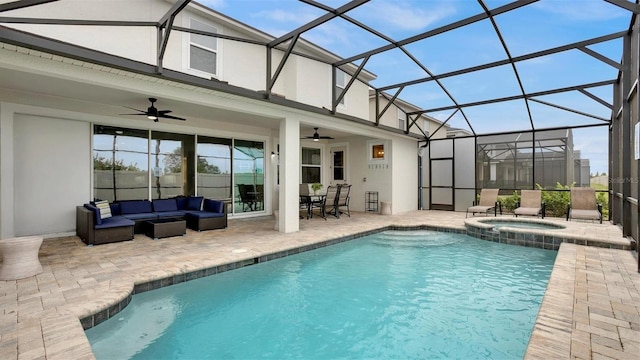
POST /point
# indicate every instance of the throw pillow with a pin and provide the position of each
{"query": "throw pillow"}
(105, 210)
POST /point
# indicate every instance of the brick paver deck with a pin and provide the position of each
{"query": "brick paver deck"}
(591, 308)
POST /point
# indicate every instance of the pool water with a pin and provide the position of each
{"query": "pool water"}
(497, 224)
(416, 294)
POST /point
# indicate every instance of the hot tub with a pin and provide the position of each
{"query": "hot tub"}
(517, 231)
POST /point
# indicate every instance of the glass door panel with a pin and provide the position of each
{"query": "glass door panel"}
(248, 174)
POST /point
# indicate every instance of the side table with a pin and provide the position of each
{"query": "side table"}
(20, 257)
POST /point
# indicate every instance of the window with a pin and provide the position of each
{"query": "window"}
(203, 50)
(311, 165)
(401, 120)
(378, 151)
(340, 84)
(120, 163)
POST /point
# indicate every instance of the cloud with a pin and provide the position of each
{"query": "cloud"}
(589, 10)
(408, 16)
(213, 4)
(288, 17)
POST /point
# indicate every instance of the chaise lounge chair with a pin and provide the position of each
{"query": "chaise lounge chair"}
(583, 205)
(488, 201)
(530, 203)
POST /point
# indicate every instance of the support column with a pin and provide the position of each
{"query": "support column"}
(6, 172)
(289, 196)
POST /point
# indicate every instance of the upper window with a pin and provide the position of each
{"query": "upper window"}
(203, 50)
(340, 84)
(401, 120)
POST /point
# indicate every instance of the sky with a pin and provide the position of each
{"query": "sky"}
(542, 25)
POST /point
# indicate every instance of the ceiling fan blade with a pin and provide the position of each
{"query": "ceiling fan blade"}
(142, 111)
(153, 113)
(164, 116)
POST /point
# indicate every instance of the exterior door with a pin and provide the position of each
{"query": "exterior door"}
(441, 171)
(338, 165)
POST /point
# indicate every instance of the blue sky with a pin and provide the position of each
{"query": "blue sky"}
(542, 25)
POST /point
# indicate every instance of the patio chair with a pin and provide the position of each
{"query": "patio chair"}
(305, 200)
(247, 197)
(530, 203)
(488, 201)
(259, 196)
(583, 205)
(343, 200)
(329, 201)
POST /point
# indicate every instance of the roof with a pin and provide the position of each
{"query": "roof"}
(486, 66)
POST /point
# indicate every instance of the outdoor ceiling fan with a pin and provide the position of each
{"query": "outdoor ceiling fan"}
(316, 136)
(153, 113)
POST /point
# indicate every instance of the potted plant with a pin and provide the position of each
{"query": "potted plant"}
(316, 187)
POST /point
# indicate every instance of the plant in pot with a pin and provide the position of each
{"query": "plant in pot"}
(316, 187)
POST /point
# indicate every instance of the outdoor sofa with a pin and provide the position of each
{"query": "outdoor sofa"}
(128, 217)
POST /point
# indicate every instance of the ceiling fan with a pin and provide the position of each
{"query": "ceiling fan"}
(316, 136)
(153, 113)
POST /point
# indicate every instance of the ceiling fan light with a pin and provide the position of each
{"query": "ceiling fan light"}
(152, 117)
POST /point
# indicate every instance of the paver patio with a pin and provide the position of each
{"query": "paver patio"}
(591, 308)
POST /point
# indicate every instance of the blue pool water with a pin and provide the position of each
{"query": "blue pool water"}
(400, 295)
(497, 224)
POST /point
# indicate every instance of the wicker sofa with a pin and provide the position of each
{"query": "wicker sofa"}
(129, 217)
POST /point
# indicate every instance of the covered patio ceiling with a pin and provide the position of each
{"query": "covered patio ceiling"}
(485, 66)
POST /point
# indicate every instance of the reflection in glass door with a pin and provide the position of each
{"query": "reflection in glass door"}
(214, 168)
(171, 157)
(248, 175)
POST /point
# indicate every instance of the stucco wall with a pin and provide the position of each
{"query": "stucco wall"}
(52, 172)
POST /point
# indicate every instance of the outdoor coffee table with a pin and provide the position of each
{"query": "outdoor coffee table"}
(161, 228)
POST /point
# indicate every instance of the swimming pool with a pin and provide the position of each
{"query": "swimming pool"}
(415, 294)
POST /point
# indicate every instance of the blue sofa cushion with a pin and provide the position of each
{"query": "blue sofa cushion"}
(181, 201)
(194, 203)
(204, 214)
(211, 205)
(160, 205)
(135, 207)
(115, 221)
(97, 219)
(115, 208)
(169, 214)
(141, 216)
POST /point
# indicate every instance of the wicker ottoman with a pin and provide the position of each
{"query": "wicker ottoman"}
(20, 257)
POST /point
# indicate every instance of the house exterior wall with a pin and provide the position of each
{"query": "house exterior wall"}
(63, 97)
(239, 63)
(137, 43)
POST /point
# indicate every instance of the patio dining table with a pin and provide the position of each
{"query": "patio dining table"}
(309, 200)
